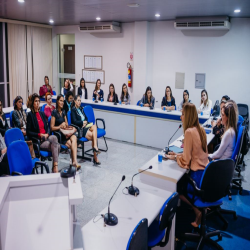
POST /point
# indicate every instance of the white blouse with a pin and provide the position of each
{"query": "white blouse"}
(206, 109)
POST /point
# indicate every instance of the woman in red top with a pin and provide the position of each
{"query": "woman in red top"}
(49, 107)
(37, 128)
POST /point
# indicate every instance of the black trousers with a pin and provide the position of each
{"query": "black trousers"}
(4, 166)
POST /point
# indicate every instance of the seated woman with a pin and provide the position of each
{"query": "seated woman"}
(206, 104)
(82, 90)
(185, 99)
(98, 93)
(68, 102)
(67, 87)
(125, 97)
(19, 118)
(79, 119)
(168, 101)
(49, 107)
(228, 118)
(59, 120)
(4, 165)
(112, 96)
(148, 100)
(37, 127)
(3, 122)
(49, 88)
(194, 156)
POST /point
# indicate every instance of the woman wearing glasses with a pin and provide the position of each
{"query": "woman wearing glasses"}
(185, 99)
(112, 96)
(168, 101)
(125, 97)
(206, 104)
(49, 107)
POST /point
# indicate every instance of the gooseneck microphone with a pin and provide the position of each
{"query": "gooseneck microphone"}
(167, 148)
(111, 219)
(134, 190)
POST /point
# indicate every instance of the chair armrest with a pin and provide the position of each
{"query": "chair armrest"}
(16, 173)
(35, 140)
(36, 147)
(197, 191)
(41, 165)
(103, 122)
(58, 135)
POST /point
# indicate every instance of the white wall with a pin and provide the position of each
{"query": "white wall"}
(160, 51)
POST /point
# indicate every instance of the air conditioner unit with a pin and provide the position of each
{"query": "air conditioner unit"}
(100, 27)
(202, 25)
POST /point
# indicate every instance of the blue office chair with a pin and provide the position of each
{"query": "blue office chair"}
(20, 162)
(88, 110)
(160, 228)
(214, 185)
(43, 107)
(11, 122)
(14, 134)
(139, 237)
(138, 103)
(54, 92)
(240, 121)
(80, 140)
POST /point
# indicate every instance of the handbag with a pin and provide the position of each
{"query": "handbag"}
(68, 132)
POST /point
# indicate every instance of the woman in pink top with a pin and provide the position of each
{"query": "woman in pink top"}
(49, 107)
(194, 156)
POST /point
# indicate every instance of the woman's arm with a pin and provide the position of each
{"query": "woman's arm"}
(15, 120)
(180, 106)
(153, 102)
(172, 107)
(62, 92)
(163, 104)
(86, 94)
(71, 87)
(52, 124)
(128, 101)
(74, 119)
(30, 128)
(79, 91)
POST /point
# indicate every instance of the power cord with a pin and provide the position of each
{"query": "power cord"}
(102, 216)
(123, 189)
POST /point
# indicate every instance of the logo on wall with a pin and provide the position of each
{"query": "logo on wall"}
(131, 56)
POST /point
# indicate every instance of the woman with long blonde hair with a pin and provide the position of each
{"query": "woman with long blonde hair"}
(194, 156)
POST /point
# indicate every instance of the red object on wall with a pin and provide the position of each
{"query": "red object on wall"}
(130, 77)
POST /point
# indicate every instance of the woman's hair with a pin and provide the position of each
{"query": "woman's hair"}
(206, 102)
(191, 120)
(68, 83)
(57, 100)
(185, 91)
(147, 89)
(47, 94)
(46, 77)
(69, 93)
(16, 100)
(75, 98)
(226, 97)
(111, 85)
(82, 79)
(31, 100)
(122, 95)
(229, 111)
(235, 108)
(96, 88)
(1, 108)
(171, 95)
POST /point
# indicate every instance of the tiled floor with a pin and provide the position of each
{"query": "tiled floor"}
(100, 182)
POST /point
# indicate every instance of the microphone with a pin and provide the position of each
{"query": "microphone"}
(111, 219)
(167, 148)
(134, 190)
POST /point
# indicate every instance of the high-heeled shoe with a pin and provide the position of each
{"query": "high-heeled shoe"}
(96, 162)
(97, 151)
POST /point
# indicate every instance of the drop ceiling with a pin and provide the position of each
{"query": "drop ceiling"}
(70, 12)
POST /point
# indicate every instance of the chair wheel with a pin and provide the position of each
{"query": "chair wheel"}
(219, 237)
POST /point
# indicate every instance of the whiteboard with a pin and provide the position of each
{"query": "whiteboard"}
(91, 76)
(92, 62)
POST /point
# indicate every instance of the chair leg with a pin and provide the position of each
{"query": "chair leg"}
(82, 156)
(200, 244)
(214, 243)
(104, 150)
(223, 219)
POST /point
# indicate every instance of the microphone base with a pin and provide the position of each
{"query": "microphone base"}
(96, 101)
(110, 219)
(133, 190)
(68, 172)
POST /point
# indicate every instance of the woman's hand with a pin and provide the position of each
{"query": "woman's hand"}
(172, 153)
(146, 105)
(63, 125)
(1, 117)
(199, 111)
(170, 157)
(4, 151)
(84, 123)
(219, 122)
(45, 136)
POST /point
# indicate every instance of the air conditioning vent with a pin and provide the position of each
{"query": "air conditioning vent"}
(100, 28)
(203, 25)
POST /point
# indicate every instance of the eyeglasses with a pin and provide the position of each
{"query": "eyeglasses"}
(203, 95)
(124, 87)
(168, 91)
(185, 94)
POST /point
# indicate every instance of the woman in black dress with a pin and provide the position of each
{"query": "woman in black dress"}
(59, 120)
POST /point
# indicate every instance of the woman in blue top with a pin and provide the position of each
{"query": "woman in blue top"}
(79, 119)
(68, 101)
(98, 92)
(148, 100)
(168, 101)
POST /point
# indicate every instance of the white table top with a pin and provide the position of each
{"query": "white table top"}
(129, 210)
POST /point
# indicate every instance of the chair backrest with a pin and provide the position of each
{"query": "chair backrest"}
(216, 179)
(89, 112)
(138, 103)
(11, 122)
(43, 107)
(19, 158)
(11, 135)
(54, 92)
(69, 117)
(139, 237)
(243, 110)
(238, 143)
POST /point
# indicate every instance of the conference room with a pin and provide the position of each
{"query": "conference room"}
(124, 124)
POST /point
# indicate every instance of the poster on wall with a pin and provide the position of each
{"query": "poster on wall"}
(91, 76)
(92, 62)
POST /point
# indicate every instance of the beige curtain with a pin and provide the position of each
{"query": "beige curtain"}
(17, 61)
(42, 56)
(30, 59)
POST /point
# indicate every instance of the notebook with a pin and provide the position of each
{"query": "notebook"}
(176, 149)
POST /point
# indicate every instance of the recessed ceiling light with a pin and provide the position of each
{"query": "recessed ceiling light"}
(21, 1)
(51, 21)
(237, 11)
(157, 15)
(133, 5)
(98, 18)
